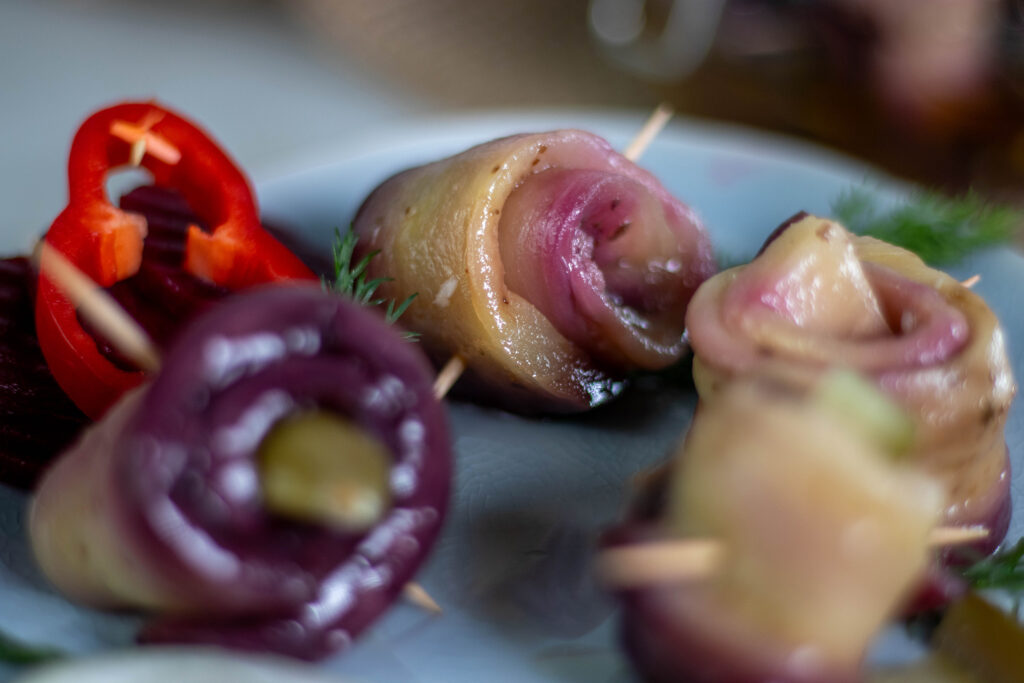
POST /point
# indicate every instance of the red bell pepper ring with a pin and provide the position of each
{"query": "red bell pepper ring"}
(106, 243)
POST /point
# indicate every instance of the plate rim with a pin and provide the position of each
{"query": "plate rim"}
(438, 128)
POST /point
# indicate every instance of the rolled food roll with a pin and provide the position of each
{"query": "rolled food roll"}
(823, 532)
(818, 297)
(273, 488)
(549, 263)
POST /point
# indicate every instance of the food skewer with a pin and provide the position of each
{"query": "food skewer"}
(448, 376)
(661, 115)
(99, 308)
(643, 139)
(692, 559)
(128, 337)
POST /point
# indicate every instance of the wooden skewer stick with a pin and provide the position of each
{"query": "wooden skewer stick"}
(658, 119)
(449, 374)
(99, 308)
(417, 595)
(121, 330)
(957, 535)
(654, 562)
(455, 366)
(971, 281)
(682, 560)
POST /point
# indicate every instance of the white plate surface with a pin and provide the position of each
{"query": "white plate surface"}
(531, 494)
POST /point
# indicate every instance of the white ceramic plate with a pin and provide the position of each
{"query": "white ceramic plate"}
(531, 494)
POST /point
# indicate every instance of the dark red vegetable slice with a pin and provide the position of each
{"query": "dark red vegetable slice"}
(162, 296)
(37, 419)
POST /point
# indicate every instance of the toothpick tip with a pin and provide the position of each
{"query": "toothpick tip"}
(417, 595)
(448, 375)
(655, 123)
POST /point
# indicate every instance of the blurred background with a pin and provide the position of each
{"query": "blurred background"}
(930, 90)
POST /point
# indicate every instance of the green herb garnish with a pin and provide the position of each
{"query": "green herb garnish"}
(351, 280)
(937, 228)
(1002, 571)
(15, 652)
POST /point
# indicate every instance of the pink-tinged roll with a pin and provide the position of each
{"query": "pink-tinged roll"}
(819, 297)
(550, 263)
(823, 533)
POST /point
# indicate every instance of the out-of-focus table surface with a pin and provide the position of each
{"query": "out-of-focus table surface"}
(245, 71)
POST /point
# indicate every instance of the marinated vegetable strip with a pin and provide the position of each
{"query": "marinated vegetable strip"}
(935, 348)
(244, 575)
(819, 541)
(455, 365)
(498, 300)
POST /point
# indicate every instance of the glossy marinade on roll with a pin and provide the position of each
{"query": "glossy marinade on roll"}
(549, 263)
(818, 297)
(822, 529)
(273, 488)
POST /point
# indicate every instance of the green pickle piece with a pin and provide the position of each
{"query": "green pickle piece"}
(320, 467)
(859, 403)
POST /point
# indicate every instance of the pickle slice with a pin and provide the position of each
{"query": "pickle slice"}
(321, 467)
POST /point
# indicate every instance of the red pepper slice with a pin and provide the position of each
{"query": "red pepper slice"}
(106, 243)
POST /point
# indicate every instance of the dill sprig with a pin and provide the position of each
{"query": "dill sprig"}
(937, 228)
(13, 651)
(1003, 570)
(353, 281)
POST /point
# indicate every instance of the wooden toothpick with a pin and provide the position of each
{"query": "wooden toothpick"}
(415, 594)
(654, 562)
(456, 365)
(695, 559)
(99, 308)
(971, 281)
(957, 535)
(449, 374)
(639, 144)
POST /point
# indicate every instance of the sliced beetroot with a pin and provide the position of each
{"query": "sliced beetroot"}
(37, 420)
(182, 527)
(162, 296)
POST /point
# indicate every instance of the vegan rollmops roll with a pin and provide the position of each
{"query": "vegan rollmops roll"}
(818, 297)
(273, 488)
(823, 531)
(551, 264)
